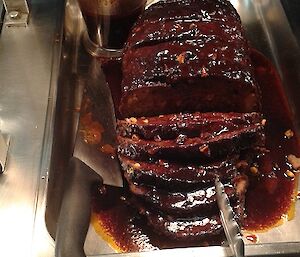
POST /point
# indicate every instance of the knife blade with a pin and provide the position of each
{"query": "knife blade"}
(97, 120)
(231, 227)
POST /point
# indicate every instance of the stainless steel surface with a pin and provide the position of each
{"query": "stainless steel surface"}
(4, 145)
(231, 228)
(104, 164)
(69, 92)
(2, 13)
(27, 71)
(268, 30)
(17, 12)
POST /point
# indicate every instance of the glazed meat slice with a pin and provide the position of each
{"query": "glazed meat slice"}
(206, 10)
(198, 226)
(147, 34)
(197, 149)
(183, 20)
(176, 61)
(183, 204)
(189, 124)
(186, 229)
(223, 88)
(190, 68)
(168, 175)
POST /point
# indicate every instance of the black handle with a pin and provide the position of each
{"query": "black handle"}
(73, 224)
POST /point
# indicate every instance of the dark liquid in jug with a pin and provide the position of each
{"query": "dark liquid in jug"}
(110, 30)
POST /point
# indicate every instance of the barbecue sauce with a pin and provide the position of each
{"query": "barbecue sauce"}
(125, 230)
(270, 198)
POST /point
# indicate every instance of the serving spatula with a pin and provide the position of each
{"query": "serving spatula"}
(103, 163)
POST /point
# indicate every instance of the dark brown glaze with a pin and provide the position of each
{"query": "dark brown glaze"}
(196, 149)
(213, 94)
(208, 11)
(121, 225)
(186, 229)
(173, 61)
(182, 204)
(188, 124)
(268, 196)
(176, 61)
(147, 34)
(170, 175)
(198, 70)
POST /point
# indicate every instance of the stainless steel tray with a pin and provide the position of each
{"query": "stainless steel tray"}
(268, 30)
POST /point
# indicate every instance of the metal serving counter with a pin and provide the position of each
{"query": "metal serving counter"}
(27, 86)
(29, 70)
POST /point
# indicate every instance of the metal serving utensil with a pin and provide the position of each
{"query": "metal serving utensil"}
(87, 168)
(231, 227)
(104, 164)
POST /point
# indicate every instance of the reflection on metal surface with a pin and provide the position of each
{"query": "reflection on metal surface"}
(97, 51)
(235, 3)
(4, 144)
(17, 13)
(106, 165)
(69, 87)
(25, 66)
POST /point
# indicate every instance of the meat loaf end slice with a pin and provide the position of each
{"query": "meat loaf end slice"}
(186, 229)
(187, 10)
(185, 71)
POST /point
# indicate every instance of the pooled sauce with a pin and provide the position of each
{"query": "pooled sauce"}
(272, 194)
(124, 229)
(270, 197)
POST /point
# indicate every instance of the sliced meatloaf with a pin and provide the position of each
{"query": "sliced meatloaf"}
(201, 149)
(183, 204)
(183, 58)
(189, 124)
(187, 229)
(171, 175)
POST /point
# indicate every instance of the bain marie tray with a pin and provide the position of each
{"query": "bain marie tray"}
(268, 30)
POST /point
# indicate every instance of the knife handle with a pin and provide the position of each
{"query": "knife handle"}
(72, 224)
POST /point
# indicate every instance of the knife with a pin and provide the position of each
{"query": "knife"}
(231, 227)
(97, 102)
